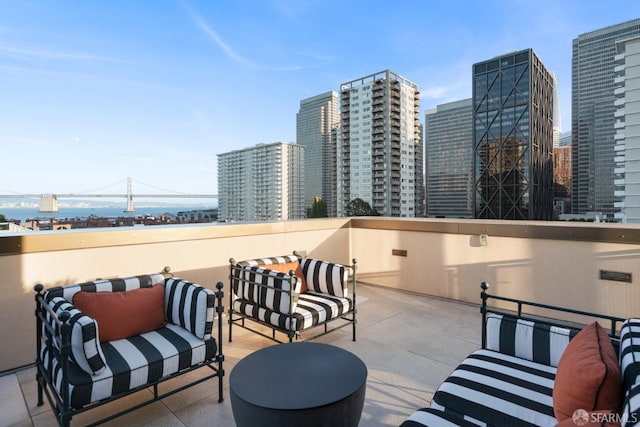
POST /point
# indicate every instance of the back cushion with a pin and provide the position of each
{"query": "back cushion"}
(191, 306)
(325, 277)
(105, 285)
(124, 314)
(528, 340)
(86, 351)
(275, 292)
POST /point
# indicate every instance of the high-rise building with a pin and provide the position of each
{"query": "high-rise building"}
(592, 117)
(380, 148)
(261, 183)
(513, 137)
(627, 127)
(315, 121)
(557, 116)
(448, 130)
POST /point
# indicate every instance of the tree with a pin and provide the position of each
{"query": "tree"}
(318, 209)
(358, 207)
(2, 218)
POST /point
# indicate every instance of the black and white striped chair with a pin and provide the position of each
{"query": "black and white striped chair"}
(262, 293)
(78, 372)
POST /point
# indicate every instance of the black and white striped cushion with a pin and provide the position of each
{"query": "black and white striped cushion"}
(190, 306)
(435, 418)
(630, 351)
(498, 389)
(325, 277)
(134, 362)
(631, 408)
(312, 309)
(86, 350)
(275, 292)
(528, 340)
(107, 285)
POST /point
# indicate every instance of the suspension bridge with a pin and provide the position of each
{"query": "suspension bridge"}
(49, 201)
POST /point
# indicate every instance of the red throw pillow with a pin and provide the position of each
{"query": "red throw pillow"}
(588, 375)
(286, 268)
(124, 314)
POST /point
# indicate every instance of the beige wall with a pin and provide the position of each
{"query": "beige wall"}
(444, 258)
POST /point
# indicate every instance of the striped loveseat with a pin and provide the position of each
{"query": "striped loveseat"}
(510, 381)
(78, 371)
(291, 294)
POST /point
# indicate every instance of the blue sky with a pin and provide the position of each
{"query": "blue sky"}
(92, 92)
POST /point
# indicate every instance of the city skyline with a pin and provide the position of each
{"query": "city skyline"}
(96, 92)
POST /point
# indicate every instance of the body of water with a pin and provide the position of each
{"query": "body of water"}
(104, 212)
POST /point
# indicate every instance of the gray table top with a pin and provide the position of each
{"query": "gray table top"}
(296, 376)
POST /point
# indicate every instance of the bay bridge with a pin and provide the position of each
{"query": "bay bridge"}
(49, 201)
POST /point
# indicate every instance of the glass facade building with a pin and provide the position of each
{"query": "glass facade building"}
(592, 117)
(449, 166)
(317, 118)
(513, 138)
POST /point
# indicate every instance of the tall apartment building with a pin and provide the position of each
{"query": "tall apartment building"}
(557, 116)
(592, 117)
(380, 149)
(513, 138)
(261, 183)
(317, 118)
(448, 132)
(627, 127)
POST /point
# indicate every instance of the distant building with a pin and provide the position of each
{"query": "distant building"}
(565, 139)
(449, 156)
(593, 123)
(261, 183)
(315, 122)
(562, 180)
(627, 126)
(513, 123)
(380, 148)
(557, 116)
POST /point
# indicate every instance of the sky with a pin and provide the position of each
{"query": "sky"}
(93, 92)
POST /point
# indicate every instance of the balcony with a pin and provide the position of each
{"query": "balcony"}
(435, 284)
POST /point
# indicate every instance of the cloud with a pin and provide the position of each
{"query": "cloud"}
(56, 55)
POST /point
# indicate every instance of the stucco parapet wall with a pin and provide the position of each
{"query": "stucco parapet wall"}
(554, 230)
(46, 241)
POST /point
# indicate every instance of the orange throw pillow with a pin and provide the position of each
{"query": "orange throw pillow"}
(286, 268)
(588, 375)
(124, 314)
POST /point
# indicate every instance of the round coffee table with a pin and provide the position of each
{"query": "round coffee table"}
(298, 384)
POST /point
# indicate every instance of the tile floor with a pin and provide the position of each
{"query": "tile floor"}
(409, 343)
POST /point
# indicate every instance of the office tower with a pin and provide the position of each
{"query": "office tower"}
(627, 130)
(449, 157)
(379, 149)
(261, 183)
(315, 121)
(557, 116)
(565, 139)
(513, 137)
(592, 117)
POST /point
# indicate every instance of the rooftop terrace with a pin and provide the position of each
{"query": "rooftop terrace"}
(418, 298)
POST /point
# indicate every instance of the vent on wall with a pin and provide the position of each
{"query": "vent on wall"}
(615, 276)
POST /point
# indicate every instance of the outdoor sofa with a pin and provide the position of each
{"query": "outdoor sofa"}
(532, 371)
(143, 330)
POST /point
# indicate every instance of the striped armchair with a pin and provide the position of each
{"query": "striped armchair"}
(77, 370)
(291, 294)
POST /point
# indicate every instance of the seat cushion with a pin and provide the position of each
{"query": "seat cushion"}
(497, 389)
(312, 309)
(435, 418)
(134, 362)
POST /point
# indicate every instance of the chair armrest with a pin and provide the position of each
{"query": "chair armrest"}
(86, 351)
(190, 306)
